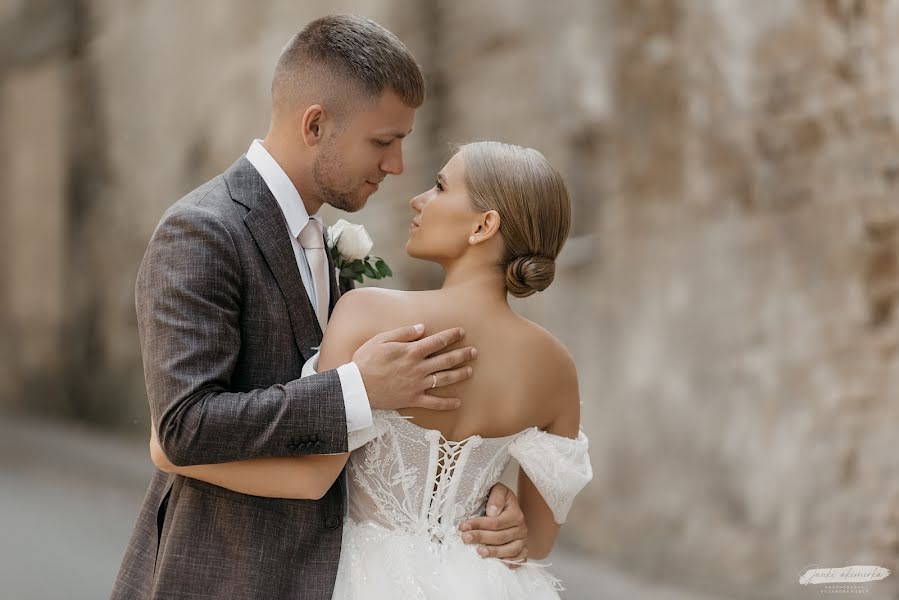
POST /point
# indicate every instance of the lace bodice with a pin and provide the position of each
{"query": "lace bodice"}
(408, 490)
(406, 477)
(402, 476)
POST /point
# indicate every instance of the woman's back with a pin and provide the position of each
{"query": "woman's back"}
(518, 369)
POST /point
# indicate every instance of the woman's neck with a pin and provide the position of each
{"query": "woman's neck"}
(475, 282)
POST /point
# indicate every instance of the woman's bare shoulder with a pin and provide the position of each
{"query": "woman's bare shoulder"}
(382, 301)
(360, 315)
(369, 311)
(554, 375)
(546, 347)
(373, 297)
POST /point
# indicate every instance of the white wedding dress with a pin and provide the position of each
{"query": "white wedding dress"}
(409, 488)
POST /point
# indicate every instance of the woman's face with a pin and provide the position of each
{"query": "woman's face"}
(444, 218)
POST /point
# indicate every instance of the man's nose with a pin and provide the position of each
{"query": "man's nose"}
(393, 161)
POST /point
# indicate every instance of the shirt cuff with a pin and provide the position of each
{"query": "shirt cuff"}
(355, 399)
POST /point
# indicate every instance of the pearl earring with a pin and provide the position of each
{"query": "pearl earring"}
(472, 240)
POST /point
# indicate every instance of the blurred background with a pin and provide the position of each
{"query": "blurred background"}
(729, 289)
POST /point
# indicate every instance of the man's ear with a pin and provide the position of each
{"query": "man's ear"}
(312, 125)
(488, 225)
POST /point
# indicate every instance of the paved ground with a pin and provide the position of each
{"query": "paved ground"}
(68, 499)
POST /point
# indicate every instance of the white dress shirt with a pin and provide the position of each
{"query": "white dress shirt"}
(355, 399)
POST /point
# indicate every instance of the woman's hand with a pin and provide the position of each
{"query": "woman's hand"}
(158, 457)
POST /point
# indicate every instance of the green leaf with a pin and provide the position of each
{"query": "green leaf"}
(336, 257)
(383, 269)
(370, 272)
(357, 277)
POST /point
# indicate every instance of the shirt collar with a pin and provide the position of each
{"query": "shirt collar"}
(281, 187)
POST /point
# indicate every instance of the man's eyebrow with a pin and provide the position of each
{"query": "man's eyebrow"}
(394, 133)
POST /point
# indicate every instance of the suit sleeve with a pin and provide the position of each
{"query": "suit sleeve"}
(188, 298)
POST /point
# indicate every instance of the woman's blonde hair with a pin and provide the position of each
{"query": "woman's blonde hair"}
(532, 201)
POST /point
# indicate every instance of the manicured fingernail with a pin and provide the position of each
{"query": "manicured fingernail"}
(492, 511)
(464, 526)
(419, 328)
(466, 537)
(482, 551)
(474, 353)
(457, 404)
(462, 331)
(469, 371)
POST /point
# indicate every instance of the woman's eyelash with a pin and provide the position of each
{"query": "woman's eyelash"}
(439, 185)
(382, 143)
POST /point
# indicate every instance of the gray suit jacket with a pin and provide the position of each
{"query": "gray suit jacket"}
(225, 327)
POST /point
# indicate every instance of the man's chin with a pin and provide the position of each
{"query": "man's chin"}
(359, 205)
(361, 201)
(350, 206)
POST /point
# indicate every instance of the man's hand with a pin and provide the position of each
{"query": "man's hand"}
(398, 368)
(502, 533)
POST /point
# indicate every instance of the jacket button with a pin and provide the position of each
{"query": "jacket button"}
(332, 522)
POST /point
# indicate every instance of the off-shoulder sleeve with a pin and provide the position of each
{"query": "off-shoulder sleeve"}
(558, 466)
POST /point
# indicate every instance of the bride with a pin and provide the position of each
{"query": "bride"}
(495, 220)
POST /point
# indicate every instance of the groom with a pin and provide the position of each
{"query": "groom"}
(233, 294)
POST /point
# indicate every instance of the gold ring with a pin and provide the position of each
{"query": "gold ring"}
(433, 385)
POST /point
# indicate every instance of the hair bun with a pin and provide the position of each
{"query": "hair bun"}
(528, 274)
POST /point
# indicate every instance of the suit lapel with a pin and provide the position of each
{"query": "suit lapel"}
(332, 278)
(268, 228)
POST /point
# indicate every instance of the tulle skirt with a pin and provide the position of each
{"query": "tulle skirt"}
(380, 564)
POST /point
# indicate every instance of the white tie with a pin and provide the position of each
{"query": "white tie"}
(314, 246)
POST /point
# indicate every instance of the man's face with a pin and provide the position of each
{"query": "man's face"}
(352, 162)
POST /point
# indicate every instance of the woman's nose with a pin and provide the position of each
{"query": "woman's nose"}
(417, 203)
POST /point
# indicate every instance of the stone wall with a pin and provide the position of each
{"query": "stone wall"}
(729, 290)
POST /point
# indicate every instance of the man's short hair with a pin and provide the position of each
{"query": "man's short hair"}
(339, 59)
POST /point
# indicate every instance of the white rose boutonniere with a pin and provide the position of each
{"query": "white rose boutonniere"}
(350, 245)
